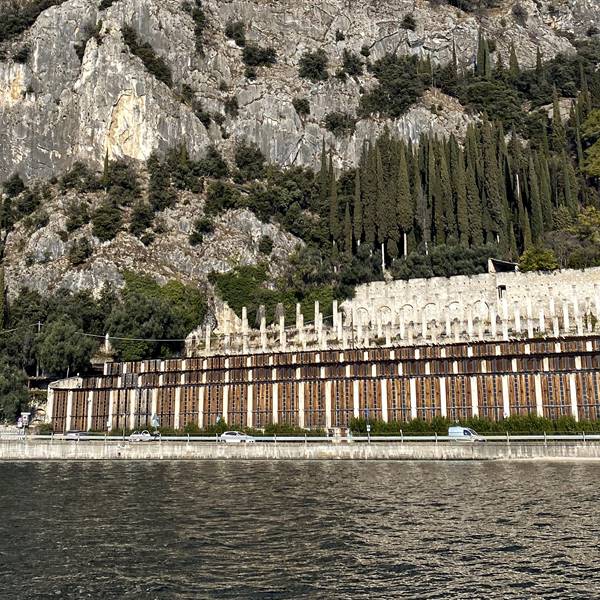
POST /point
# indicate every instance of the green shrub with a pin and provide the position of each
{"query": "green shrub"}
(313, 66)
(142, 216)
(121, 182)
(22, 54)
(27, 203)
(144, 51)
(213, 165)
(255, 56)
(104, 4)
(236, 31)
(339, 123)
(339, 36)
(221, 196)
(265, 245)
(15, 19)
(400, 86)
(352, 65)
(302, 106)
(408, 22)
(80, 251)
(250, 161)
(77, 214)
(232, 106)
(202, 226)
(106, 220)
(79, 177)
(365, 51)
(13, 186)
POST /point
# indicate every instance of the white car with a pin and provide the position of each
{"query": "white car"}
(143, 436)
(236, 437)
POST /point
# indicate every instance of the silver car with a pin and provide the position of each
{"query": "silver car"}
(236, 437)
(143, 436)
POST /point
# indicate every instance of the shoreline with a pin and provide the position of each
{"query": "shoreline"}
(12, 451)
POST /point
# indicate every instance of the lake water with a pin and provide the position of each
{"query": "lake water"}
(299, 530)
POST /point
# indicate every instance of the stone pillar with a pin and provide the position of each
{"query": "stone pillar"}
(555, 327)
(542, 321)
(176, 418)
(384, 402)
(69, 415)
(111, 407)
(355, 399)
(282, 336)
(201, 407)
(573, 395)
(327, 402)
(263, 334)
(577, 316)
(207, 339)
(493, 322)
(474, 396)
(50, 406)
(566, 324)
(300, 387)
(443, 399)
(154, 402)
(334, 322)
(517, 319)
(90, 409)
(529, 317)
(505, 396)
(275, 396)
(448, 325)
(413, 398)
(244, 330)
(470, 322)
(538, 395)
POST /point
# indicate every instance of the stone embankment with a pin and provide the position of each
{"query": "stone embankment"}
(14, 450)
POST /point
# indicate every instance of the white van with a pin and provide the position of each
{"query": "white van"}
(463, 434)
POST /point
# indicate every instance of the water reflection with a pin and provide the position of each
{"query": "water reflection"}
(299, 530)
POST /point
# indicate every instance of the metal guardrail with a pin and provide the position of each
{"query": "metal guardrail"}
(504, 438)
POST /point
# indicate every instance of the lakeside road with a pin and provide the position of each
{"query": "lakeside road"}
(35, 449)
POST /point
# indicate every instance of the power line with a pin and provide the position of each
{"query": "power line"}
(3, 331)
(130, 339)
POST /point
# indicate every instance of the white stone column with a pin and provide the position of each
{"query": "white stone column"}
(542, 321)
(263, 334)
(328, 404)
(49, 406)
(131, 397)
(90, 408)
(448, 324)
(573, 394)
(474, 396)
(154, 401)
(177, 409)
(566, 324)
(69, 414)
(355, 399)
(201, 407)
(384, 402)
(517, 319)
(282, 340)
(413, 398)
(300, 388)
(443, 398)
(470, 322)
(493, 322)
(538, 395)
(275, 387)
(505, 396)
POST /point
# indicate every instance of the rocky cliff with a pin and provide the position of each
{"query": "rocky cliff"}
(71, 89)
(80, 95)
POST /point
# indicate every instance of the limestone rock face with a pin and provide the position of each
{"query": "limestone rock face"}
(59, 108)
(39, 259)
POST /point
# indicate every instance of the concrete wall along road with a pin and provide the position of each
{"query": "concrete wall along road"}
(46, 450)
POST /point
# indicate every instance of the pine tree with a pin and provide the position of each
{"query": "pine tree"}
(537, 218)
(334, 218)
(405, 202)
(358, 210)
(347, 231)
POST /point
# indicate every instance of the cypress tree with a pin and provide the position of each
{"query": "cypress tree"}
(422, 214)
(434, 194)
(539, 64)
(492, 193)
(334, 217)
(323, 181)
(474, 207)
(358, 210)
(522, 216)
(545, 191)
(537, 218)
(513, 63)
(446, 197)
(483, 66)
(559, 136)
(381, 214)
(405, 202)
(347, 231)
(105, 171)
(462, 211)
(2, 297)
(369, 188)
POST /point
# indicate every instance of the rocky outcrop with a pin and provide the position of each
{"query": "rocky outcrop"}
(39, 259)
(81, 96)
